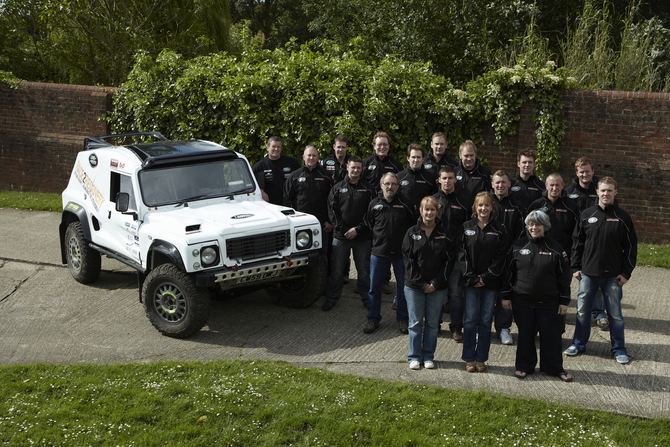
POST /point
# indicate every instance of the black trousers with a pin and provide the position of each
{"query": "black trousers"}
(529, 320)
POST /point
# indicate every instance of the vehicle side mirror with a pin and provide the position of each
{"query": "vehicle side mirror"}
(122, 201)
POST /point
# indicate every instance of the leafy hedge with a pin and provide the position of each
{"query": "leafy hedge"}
(308, 95)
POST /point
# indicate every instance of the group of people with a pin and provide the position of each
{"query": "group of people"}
(483, 246)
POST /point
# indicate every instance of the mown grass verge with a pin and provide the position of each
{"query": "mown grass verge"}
(244, 403)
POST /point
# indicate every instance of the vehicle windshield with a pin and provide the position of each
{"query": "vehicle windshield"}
(179, 184)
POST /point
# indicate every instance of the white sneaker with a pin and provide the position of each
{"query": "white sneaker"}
(506, 337)
(428, 364)
(414, 365)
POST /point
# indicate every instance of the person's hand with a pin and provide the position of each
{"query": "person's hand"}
(351, 233)
(265, 196)
(429, 288)
(507, 304)
(578, 275)
(562, 309)
(327, 227)
(621, 280)
(480, 283)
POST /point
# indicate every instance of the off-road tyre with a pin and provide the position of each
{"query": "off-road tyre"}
(302, 292)
(83, 261)
(172, 302)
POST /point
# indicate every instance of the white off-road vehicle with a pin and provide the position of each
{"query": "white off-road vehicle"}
(188, 216)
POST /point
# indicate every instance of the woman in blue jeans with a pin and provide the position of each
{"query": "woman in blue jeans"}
(483, 248)
(428, 254)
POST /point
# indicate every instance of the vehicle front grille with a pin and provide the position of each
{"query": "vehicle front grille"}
(259, 246)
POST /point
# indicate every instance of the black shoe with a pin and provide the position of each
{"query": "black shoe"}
(394, 306)
(403, 326)
(370, 327)
(327, 306)
(366, 304)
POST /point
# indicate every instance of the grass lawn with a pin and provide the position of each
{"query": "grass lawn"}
(244, 403)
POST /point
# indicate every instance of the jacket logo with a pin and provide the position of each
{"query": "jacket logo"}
(372, 167)
(469, 232)
(524, 251)
(378, 207)
(544, 209)
(593, 219)
(301, 179)
(404, 183)
(428, 166)
(416, 237)
(459, 177)
(516, 188)
(330, 162)
(344, 189)
(574, 196)
(287, 169)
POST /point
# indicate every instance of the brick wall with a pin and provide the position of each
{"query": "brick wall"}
(42, 127)
(627, 135)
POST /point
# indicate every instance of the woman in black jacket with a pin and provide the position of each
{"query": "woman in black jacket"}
(428, 253)
(483, 248)
(537, 289)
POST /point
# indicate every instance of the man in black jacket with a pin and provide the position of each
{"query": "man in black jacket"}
(437, 158)
(388, 217)
(416, 182)
(380, 162)
(474, 177)
(526, 187)
(336, 163)
(455, 210)
(604, 254)
(347, 204)
(307, 189)
(272, 171)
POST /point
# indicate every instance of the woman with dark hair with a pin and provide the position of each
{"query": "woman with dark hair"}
(537, 289)
(483, 247)
(428, 253)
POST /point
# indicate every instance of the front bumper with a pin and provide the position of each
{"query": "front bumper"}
(254, 273)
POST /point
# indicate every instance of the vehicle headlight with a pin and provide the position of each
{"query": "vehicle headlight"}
(209, 255)
(303, 239)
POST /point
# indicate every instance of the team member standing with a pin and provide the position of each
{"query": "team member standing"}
(428, 253)
(347, 204)
(526, 187)
(604, 254)
(583, 191)
(389, 216)
(537, 289)
(470, 172)
(455, 210)
(336, 163)
(510, 213)
(483, 247)
(307, 189)
(437, 157)
(272, 171)
(380, 162)
(416, 182)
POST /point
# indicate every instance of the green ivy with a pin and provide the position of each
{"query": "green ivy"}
(309, 94)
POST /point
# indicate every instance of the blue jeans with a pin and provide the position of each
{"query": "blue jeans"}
(479, 304)
(423, 339)
(455, 299)
(598, 307)
(338, 262)
(611, 289)
(379, 267)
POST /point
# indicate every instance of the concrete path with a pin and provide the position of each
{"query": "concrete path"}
(46, 316)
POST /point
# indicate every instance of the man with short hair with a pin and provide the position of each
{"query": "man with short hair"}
(307, 189)
(336, 163)
(583, 191)
(437, 156)
(510, 213)
(604, 254)
(455, 210)
(416, 182)
(563, 212)
(388, 217)
(526, 187)
(470, 172)
(347, 204)
(380, 162)
(272, 171)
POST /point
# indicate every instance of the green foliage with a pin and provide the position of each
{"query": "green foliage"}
(309, 94)
(9, 78)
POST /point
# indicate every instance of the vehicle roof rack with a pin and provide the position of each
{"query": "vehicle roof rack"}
(99, 141)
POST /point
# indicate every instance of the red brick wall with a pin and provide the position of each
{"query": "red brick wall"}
(627, 135)
(42, 127)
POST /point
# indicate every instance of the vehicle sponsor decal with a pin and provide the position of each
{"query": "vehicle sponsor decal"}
(241, 216)
(114, 163)
(93, 160)
(73, 206)
(96, 196)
